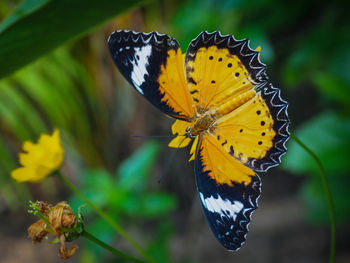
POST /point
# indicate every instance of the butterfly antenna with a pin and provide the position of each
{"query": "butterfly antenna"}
(169, 161)
(152, 136)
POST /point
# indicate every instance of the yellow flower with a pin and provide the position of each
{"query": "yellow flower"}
(40, 159)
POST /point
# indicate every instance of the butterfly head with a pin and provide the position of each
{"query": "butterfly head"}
(201, 124)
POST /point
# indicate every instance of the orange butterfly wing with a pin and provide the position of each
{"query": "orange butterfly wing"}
(153, 64)
(256, 132)
(219, 68)
(228, 191)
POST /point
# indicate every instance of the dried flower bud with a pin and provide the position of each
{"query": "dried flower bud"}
(44, 207)
(64, 253)
(58, 221)
(37, 231)
(61, 216)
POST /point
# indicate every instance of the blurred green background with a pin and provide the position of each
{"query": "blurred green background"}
(56, 71)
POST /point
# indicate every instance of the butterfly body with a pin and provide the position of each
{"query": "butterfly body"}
(202, 123)
(220, 95)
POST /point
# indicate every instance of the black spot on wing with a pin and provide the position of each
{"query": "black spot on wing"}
(230, 230)
(240, 48)
(125, 47)
(278, 110)
(192, 81)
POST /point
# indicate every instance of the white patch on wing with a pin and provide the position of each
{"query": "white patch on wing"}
(222, 207)
(139, 71)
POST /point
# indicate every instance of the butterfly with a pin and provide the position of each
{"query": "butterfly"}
(223, 103)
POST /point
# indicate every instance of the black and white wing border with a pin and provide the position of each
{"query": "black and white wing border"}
(249, 57)
(227, 208)
(139, 57)
(278, 110)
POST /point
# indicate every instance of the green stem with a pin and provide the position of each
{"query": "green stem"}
(106, 217)
(109, 248)
(328, 195)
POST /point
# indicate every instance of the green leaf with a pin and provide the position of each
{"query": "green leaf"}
(159, 244)
(339, 63)
(23, 9)
(328, 136)
(133, 172)
(312, 194)
(148, 205)
(300, 65)
(33, 31)
(102, 231)
(333, 87)
(157, 204)
(97, 186)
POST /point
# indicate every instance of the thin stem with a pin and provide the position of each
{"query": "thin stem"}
(328, 195)
(106, 217)
(109, 248)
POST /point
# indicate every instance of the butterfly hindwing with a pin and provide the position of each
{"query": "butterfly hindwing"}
(255, 133)
(153, 64)
(220, 67)
(228, 193)
(278, 110)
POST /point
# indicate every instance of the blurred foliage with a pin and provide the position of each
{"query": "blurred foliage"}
(326, 136)
(127, 196)
(24, 36)
(76, 89)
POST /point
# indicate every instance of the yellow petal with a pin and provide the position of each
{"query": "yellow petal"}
(41, 172)
(45, 139)
(25, 159)
(57, 143)
(55, 160)
(53, 148)
(33, 157)
(28, 146)
(193, 149)
(24, 174)
(179, 142)
(52, 142)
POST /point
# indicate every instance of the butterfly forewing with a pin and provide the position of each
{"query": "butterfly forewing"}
(219, 68)
(228, 192)
(152, 63)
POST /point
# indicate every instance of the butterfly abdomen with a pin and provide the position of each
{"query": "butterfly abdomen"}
(234, 103)
(204, 122)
